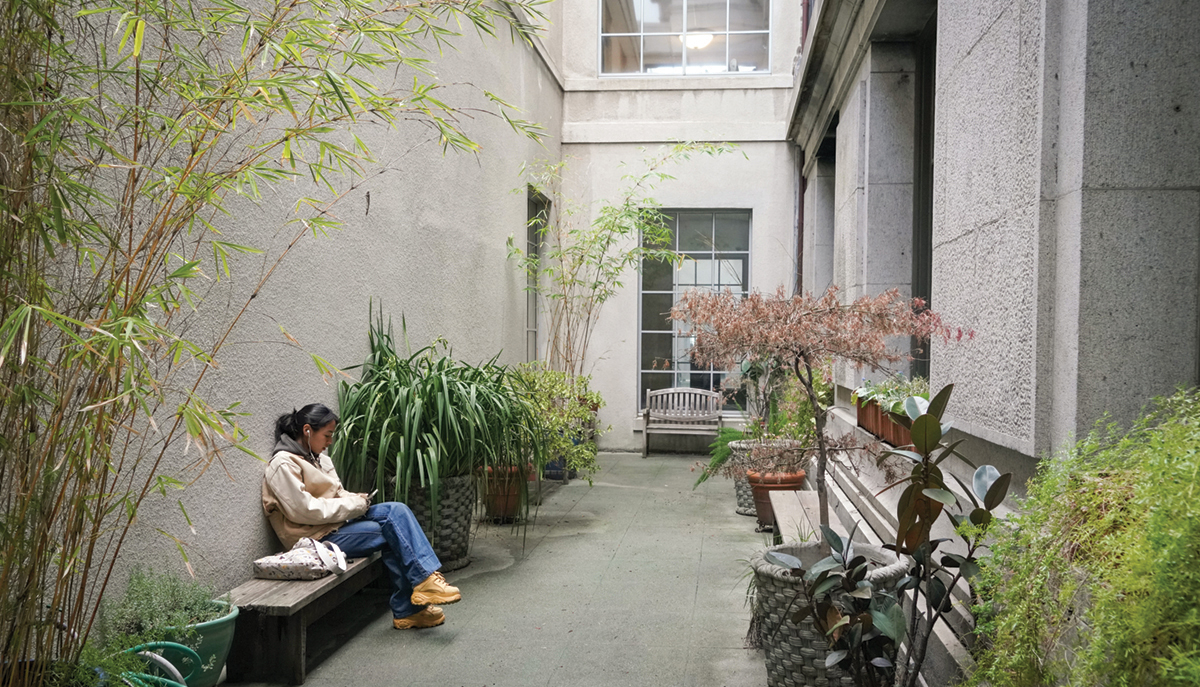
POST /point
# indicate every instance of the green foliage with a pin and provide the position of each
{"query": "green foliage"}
(866, 624)
(567, 408)
(720, 451)
(1097, 579)
(892, 392)
(129, 131)
(159, 606)
(793, 416)
(582, 264)
(411, 421)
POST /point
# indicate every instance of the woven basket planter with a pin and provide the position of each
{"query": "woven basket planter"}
(795, 653)
(452, 539)
(745, 497)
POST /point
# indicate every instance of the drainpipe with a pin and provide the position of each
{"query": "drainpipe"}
(801, 187)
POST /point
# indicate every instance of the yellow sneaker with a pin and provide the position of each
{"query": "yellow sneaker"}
(434, 590)
(430, 616)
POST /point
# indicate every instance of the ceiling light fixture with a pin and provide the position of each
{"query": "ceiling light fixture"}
(696, 41)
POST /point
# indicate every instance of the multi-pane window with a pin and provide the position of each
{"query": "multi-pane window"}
(685, 36)
(716, 246)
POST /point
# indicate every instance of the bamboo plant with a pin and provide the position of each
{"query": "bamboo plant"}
(124, 128)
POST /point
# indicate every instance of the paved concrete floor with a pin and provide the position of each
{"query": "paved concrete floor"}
(634, 580)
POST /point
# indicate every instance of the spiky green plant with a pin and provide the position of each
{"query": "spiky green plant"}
(415, 419)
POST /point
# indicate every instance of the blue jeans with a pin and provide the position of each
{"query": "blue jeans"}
(391, 529)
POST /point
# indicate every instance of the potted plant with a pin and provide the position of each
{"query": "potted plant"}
(165, 607)
(807, 333)
(418, 427)
(566, 408)
(863, 616)
(720, 452)
(795, 648)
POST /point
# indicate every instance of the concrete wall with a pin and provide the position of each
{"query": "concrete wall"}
(873, 180)
(431, 248)
(987, 147)
(1067, 163)
(758, 177)
(819, 232)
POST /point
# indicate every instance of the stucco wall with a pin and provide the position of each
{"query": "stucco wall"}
(759, 177)
(431, 248)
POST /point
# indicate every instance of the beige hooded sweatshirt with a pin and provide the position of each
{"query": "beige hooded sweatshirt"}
(303, 499)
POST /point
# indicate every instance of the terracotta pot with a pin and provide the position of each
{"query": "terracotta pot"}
(762, 484)
(503, 497)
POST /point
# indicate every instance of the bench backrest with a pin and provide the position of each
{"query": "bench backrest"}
(684, 405)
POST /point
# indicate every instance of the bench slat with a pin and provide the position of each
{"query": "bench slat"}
(287, 597)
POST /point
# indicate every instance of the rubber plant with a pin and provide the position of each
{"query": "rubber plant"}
(864, 625)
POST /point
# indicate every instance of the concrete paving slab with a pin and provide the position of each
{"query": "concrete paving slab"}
(634, 580)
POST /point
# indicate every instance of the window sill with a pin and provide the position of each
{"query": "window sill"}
(650, 82)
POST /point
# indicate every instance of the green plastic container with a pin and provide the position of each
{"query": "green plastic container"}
(214, 639)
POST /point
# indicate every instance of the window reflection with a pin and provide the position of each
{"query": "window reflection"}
(670, 37)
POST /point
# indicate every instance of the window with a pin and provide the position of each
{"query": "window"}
(716, 244)
(666, 37)
(537, 210)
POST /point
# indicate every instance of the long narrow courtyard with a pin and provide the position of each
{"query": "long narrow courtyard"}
(634, 580)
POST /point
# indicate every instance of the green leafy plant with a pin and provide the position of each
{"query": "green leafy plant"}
(892, 392)
(129, 130)
(413, 420)
(720, 453)
(567, 409)
(1096, 578)
(865, 625)
(160, 605)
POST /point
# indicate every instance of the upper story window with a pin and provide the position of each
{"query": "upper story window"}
(674, 37)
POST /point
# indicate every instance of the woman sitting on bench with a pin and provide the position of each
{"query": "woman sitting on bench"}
(303, 497)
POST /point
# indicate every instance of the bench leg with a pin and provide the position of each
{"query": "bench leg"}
(292, 649)
(645, 442)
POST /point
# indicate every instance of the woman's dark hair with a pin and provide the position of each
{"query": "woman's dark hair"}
(314, 415)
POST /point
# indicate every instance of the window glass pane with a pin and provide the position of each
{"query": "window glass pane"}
(621, 16)
(695, 231)
(748, 53)
(656, 352)
(749, 15)
(696, 272)
(663, 16)
(705, 56)
(664, 55)
(683, 354)
(653, 381)
(706, 16)
(656, 307)
(731, 273)
(622, 54)
(732, 231)
(657, 276)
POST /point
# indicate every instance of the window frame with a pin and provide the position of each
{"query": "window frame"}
(730, 408)
(683, 66)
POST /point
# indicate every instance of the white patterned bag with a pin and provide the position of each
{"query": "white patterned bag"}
(308, 560)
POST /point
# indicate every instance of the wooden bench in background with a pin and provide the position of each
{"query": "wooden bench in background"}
(681, 410)
(272, 625)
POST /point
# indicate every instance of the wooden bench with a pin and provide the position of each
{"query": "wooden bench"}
(681, 410)
(272, 625)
